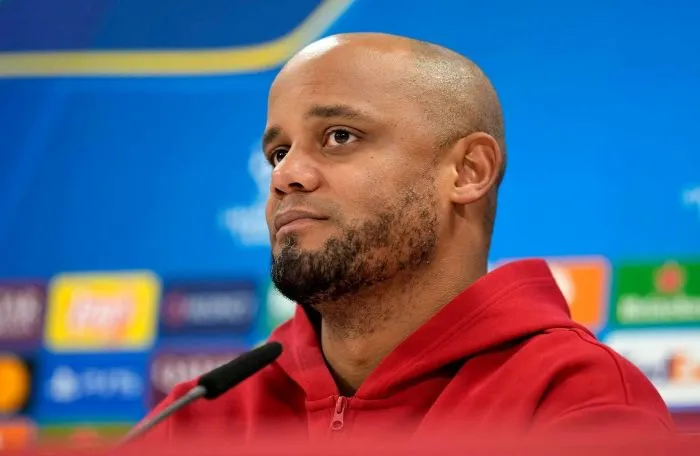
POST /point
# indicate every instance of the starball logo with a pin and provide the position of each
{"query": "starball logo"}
(246, 223)
(691, 199)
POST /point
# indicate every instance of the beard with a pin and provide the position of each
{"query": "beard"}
(403, 237)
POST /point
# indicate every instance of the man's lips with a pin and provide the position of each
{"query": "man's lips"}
(293, 215)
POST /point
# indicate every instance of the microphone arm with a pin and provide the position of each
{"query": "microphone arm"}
(191, 396)
(213, 384)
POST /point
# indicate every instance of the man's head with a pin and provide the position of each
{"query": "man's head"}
(387, 154)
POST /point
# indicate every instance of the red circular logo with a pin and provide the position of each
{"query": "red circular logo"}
(670, 278)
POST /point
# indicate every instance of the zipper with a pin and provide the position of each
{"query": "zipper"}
(338, 420)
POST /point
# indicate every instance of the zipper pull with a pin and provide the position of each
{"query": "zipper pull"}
(337, 422)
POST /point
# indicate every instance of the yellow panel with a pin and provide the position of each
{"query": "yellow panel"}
(94, 312)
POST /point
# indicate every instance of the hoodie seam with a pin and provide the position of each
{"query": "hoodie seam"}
(608, 351)
(604, 406)
(516, 286)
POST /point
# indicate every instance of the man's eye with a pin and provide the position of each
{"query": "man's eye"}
(277, 156)
(339, 136)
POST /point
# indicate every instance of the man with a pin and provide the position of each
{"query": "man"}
(386, 156)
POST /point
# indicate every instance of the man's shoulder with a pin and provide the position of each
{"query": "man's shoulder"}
(576, 350)
(579, 369)
(588, 384)
(577, 347)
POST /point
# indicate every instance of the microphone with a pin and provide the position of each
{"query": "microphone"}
(213, 384)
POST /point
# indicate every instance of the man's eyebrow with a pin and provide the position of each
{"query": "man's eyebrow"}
(345, 111)
(323, 111)
(270, 135)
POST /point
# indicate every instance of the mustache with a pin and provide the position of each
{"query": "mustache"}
(325, 208)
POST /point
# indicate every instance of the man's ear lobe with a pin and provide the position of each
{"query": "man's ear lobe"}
(478, 159)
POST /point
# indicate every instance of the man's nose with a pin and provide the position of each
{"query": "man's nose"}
(296, 172)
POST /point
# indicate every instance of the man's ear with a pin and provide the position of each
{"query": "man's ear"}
(478, 160)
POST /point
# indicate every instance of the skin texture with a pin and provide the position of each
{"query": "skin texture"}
(391, 151)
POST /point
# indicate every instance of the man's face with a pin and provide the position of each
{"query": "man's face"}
(353, 198)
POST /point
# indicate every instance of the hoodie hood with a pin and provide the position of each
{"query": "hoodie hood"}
(512, 302)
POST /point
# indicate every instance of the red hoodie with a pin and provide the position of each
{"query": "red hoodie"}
(503, 355)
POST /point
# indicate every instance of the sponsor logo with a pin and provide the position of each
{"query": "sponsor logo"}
(92, 387)
(15, 384)
(657, 294)
(98, 312)
(21, 313)
(584, 283)
(691, 199)
(247, 223)
(16, 434)
(68, 385)
(670, 359)
(172, 368)
(226, 307)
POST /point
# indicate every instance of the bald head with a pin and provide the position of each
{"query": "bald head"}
(391, 150)
(454, 94)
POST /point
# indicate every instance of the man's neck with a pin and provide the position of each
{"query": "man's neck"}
(359, 332)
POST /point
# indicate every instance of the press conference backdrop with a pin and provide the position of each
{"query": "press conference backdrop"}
(134, 250)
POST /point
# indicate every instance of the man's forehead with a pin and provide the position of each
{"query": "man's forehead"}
(367, 84)
(357, 92)
(318, 80)
(342, 96)
(340, 67)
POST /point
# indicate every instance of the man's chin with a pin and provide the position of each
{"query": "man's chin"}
(299, 244)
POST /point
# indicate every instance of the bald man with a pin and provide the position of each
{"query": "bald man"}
(386, 156)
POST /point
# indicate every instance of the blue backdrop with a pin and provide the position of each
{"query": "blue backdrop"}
(129, 131)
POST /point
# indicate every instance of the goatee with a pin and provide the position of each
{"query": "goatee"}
(401, 238)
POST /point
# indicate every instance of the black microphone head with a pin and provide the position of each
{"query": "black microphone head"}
(225, 377)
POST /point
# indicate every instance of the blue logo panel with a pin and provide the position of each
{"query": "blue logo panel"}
(102, 387)
(207, 308)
